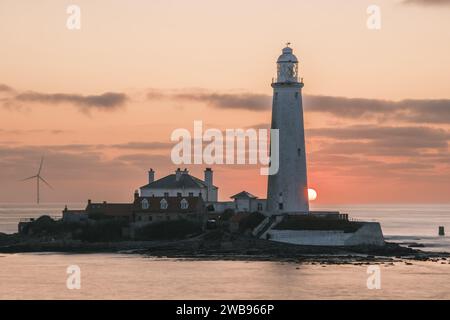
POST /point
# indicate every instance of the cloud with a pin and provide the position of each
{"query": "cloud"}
(5, 88)
(247, 101)
(75, 174)
(387, 136)
(427, 2)
(233, 101)
(107, 101)
(33, 131)
(79, 147)
(408, 110)
(143, 160)
(144, 145)
(399, 152)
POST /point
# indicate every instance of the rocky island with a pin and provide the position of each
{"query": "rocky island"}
(186, 240)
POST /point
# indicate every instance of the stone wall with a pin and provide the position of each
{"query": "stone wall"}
(369, 234)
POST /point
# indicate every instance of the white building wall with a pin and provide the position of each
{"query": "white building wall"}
(173, 192)
(258, 205)
(220, 207)
(369, 234)
(289, 186)
(242, 205)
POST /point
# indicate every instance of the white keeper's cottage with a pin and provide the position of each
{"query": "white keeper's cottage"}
(181, 184)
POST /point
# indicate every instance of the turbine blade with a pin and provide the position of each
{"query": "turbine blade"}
(29, 178)
(48, 184)
(40, 166)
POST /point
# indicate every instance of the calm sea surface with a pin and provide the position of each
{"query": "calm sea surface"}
(121, 276)
(118, 276)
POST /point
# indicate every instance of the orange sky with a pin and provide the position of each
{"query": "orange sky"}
(168, 63)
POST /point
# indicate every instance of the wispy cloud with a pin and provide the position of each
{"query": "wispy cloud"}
(248, 101)
(108, 101)
(5, 88)
(427, 2)
(80, 147)
(407, 110)
(143, 145)
(242, 101)
(380, 151)
(76, 173)
(388, 136)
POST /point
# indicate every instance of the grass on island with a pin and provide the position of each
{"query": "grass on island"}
(169, 230)
(316, 223)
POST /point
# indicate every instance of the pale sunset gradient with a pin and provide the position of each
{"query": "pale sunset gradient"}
(100, 103)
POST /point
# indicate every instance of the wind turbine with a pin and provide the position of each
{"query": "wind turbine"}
(38, 179)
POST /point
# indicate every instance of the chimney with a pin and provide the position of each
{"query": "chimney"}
(209, 177)
(178, 174)
(136, 194)
(151, 176)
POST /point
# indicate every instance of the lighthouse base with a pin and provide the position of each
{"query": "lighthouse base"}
(322, 229)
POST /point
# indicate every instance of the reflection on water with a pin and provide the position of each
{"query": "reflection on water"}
(109, 276)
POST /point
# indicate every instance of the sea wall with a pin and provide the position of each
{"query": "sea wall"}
(369, 234)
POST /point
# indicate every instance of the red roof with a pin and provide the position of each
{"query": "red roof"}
(110, 209)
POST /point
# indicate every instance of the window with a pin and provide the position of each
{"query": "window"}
(296, 95)
(299, 152)
(184, 204)
(164, 204)
(260, 207)
(280, 206)
(166, 194)
(150, 218)
(191, 194)
(144, 204)
(179, 194)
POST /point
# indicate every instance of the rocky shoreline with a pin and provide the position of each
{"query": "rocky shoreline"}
(228, 247)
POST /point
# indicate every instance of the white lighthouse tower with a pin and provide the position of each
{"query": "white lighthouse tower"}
(288, 189)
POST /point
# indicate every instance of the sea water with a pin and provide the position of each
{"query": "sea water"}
(127, 276)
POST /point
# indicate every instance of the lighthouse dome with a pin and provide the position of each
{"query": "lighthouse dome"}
(287, 56)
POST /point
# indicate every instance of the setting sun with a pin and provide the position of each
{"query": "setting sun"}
(312, 194)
